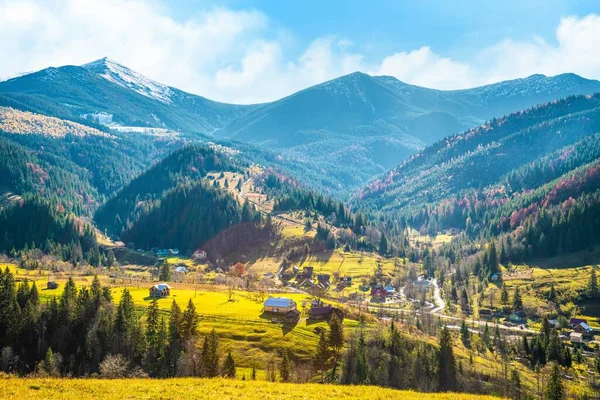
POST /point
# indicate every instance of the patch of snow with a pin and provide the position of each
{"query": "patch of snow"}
(102, 118)
(159, 132)
(123, 76)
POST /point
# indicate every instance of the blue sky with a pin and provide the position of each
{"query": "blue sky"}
(248, 51)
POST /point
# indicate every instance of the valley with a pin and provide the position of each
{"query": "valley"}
(362, 231)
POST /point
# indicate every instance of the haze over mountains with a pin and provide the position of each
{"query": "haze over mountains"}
(350, 129)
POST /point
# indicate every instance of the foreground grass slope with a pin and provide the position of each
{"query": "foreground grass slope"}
(190, 388)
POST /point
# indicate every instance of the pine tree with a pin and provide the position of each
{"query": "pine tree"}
(362, 362)
(229, 366)
(593, 285)
(189, 322)
(322, 354)
(210, 355)
(517, 300)
(465, 334)
(165, 272)
(253, 375)
(336, 339)
(555, 389)
(284, 368)
(504, 296)
(486, 336)
(446, 362)
(174, 342)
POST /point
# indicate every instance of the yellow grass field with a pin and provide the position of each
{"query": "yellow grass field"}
(192, 388)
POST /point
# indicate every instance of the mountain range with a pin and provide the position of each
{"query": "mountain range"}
(350, 129)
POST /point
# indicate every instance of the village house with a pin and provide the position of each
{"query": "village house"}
(52, 285)
(181, 269)
(323, 279)
(573, 322)
(160, 290)
(584, 329)
(162, 253)
(199, 255)
(485, 313)
(292, 316)
(495, 277)
(279, 305)
(518, 317)
(390, 290)
(576, 337)
(379, 292)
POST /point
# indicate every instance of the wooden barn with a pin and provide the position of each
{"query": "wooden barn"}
(160, 290)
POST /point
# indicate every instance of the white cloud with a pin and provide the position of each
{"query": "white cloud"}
(235, 56)
(425, 68)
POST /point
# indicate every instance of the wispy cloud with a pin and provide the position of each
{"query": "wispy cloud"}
(235, 56)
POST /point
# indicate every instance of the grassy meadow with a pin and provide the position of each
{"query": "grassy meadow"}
(191, 388)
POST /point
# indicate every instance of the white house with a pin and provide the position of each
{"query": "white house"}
(576, 337)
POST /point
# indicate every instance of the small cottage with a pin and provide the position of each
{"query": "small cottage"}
(320, 312)
(576, 337)
(160, 290)
(583, 328)
(292, 316)
(279, 305)
(485, 313)
(181, 269)
(518, 317)
(573, 322)
(52, 285)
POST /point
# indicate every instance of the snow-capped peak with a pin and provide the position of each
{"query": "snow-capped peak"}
(125, 77)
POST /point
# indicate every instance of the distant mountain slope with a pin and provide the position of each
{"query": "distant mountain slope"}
(484, 155)
(75, 164)
(104, 91)
(363, 125)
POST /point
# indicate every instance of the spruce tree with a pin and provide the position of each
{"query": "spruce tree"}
(517, 300)
(446, 362)
(555, 389)
(229, 366)
(336, 339)
(362, 361)
(189, 322)
(284, 368)
(174, 342)
(322, 354)
(593, 285)
(504, 296)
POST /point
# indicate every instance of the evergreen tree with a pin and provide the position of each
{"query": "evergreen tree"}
(446, 362)
(362, 362)
(336, 339)
(174, 342)
(189, 322)
(284, 368)
(165, 272)
(593, 285)
(253, 375)
(555, 389)
(229, 366)
(322, 354)
(210, 355)
(517, 300)
(504, 296)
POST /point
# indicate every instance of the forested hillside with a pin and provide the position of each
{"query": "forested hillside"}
(146, 192)
(481, 156)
